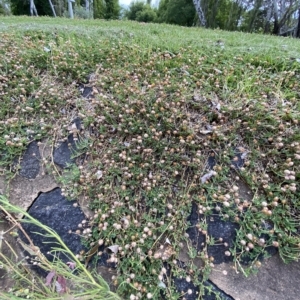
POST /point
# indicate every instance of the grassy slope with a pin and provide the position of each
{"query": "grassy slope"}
(152, 126)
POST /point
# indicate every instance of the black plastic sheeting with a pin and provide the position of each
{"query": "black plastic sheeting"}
(223, 232)
(55, 211)
(30, 164)
(62, 155)
(190, 291)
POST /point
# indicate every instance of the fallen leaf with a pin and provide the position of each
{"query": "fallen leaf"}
(205, 131)
(208, 129)
(72, 127)
(216, 105)
(61, 284)
(72, 265)
(90, 254)
(207, 176)
(164, 252)
(32, 250)
(244, 155)
(99, 174)
(162, 285)
(49, 278)
(113, 248)
(217, 71)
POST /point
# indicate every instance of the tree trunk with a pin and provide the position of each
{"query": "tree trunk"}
(59, 7)
(268, 18)
(214, 13)
(276, 23)
(70, 8)
(256, 8)
(52, 7)
(229, 22)
(87, 5)
(33, 8)
(284, 17)
(200, 13)
(238, 16)
(298, 26)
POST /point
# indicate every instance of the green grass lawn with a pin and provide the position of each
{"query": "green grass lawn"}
(165, 99)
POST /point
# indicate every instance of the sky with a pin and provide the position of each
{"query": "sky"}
(127, 2)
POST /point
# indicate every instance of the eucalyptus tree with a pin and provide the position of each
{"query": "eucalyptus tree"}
(285, 15)
(200, 13)
(180, 12)
(87, 5)
(135, 9)
(99, 9)
(112, 9)
(32, 8)
(298, 25)
(106, 9)
(52, 8)
(4, 7)
(70, 8)
(279, 17)
(36, 7)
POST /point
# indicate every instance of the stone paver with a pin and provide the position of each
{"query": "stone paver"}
(274, 281)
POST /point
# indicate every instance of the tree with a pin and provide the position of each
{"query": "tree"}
(106, 9)
(268, 19)
(70, 9)
(52, 8)
(272, 16)
(235, 14)
(141, 12)
(254, 14)
(180, 12)
(147, 15)
(60, 7)
(87, 5)
(99, 9)
(4, 7)
(29, 7)
(298, 25)
(32, 8)
(134, 9)
(112, 9)
(200, 13)
(276, 22)
(162, 10)
(283, 11)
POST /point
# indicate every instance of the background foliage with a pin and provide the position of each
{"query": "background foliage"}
(280, 17)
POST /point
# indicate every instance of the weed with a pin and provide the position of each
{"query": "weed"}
(161, 108)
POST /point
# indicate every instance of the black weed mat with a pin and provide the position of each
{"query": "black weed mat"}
(224, 232)
(30, 164)
(62, 155)
(190, 291)
(64, 217)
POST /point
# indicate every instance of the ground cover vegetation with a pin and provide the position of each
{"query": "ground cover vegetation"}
(263, 16)
(165, 99)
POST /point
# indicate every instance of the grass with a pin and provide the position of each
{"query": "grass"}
(166, 98)
(32, 287)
